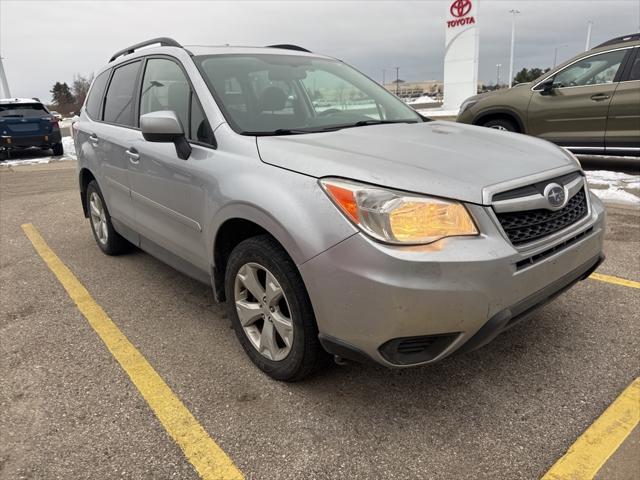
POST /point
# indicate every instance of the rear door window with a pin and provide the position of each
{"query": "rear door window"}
(119, 104)
(94, 100)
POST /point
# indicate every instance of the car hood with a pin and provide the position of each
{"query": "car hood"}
(439, 158)
(502, 92)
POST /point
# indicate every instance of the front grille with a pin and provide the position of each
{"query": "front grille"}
(529, 225)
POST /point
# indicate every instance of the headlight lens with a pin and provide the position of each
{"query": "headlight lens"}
(466, 105)
(570, 154)
(398, 218)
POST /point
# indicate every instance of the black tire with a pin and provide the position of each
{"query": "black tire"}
(4, 155)
(115, 244)
(306, 354)
(57, 149)
(501, 124)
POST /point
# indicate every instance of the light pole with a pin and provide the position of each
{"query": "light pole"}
(588, 44)
(513, 41)
(397, 79)
(4, 85)
(498, 74)
(555, 54)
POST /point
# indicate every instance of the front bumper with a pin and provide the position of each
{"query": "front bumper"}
(403, 306)
(9, 142)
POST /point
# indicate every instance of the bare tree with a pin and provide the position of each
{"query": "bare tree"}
(80, 88)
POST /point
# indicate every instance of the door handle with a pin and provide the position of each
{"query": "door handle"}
(134, 156)
(600, 96)
(93, 138)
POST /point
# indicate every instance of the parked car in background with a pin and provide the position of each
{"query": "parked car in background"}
(357, 228)
(56, 115)
(590, 104)
(26, 123)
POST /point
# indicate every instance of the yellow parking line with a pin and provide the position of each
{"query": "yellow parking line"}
(594, 447)
(203, 453)
(615, 280)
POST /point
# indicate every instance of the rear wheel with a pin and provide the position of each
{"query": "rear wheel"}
(271, 311)
(57, 149)
(4, 155)
(501, 124)
(109, 241)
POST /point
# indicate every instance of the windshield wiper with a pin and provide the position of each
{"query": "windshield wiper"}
(292, 131)
(373, 121)
(282, 131)
(328, 128)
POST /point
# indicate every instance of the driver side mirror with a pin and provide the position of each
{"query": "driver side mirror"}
(547, 86)
(164, 127)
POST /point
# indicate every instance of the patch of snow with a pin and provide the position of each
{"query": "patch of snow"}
(612, 186)
(69, 147)
(616, 196)
(618, 179)
(436, 112)
(422, 99)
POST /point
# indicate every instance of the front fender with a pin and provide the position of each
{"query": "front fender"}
(295, 211)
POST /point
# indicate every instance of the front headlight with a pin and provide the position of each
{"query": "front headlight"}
(466, 105)
(571, 156)
(398, 218)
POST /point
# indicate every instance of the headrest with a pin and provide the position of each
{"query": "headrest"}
(272, 99)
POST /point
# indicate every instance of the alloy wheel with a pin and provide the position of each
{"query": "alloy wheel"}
(98, 218)
(263, 311)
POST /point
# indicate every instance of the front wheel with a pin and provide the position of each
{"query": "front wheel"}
(271, 311)
(501, 124)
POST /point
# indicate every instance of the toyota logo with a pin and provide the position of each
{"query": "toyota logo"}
(555, 195)
(460, 8)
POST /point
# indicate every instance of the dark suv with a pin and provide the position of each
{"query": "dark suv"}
(26, 123)
(590, 104)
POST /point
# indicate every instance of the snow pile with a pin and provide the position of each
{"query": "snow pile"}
(614, 186)
(422, 99)
(33, 156)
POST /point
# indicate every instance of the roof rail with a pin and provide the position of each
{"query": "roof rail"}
(163, 41)
(632, 37)
(286, 46)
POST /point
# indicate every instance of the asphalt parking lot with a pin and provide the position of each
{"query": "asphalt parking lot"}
(68, 410)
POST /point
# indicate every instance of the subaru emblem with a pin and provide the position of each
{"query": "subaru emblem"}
(555, 195)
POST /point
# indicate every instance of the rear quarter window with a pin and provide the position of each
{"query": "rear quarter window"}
(94, 100)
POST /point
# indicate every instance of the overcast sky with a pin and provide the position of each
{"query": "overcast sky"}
(47, 41)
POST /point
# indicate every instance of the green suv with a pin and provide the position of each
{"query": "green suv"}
(590, 104)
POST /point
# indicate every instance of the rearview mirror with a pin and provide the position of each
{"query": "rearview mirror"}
(164, 127)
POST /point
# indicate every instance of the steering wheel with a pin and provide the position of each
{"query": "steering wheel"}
(329, 111)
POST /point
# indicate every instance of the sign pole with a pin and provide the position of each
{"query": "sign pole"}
(513, 42)
(4, 85)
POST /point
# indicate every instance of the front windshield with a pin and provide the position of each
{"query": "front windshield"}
(266, 94)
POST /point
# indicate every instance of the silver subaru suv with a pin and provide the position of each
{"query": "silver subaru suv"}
(332, 218)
